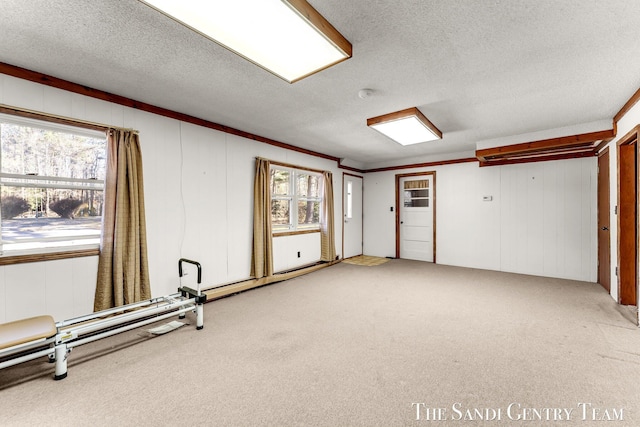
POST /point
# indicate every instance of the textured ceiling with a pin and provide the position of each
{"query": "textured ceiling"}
(478, 69)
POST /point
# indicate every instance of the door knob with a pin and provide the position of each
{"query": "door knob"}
(605, 228)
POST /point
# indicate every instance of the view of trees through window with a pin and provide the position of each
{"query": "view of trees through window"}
(52, 186)
(280, 199)
(294, 191)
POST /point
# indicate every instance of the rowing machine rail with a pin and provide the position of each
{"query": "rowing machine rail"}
(102, 324)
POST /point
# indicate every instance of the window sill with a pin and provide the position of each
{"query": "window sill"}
(10, 259)
(295, 233)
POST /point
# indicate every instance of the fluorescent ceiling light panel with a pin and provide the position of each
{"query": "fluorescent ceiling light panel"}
(406, 127)
(289, 38)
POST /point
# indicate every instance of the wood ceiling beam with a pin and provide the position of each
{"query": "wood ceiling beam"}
(539, 158)
(545, 147)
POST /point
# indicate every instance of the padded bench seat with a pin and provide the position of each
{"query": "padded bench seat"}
(26, 330)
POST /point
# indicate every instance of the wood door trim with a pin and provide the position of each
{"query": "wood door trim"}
(352, 174)
(605, 251)
(630, 138)
(406, 175)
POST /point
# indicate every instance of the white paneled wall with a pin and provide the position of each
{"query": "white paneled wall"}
(541, 219)
(160, 140)
(203, 198)
(286, 249)
(63, 288)
(240, 211)
(198, 196)
(378, 223)
(26, 289)
(198, 190)
(467, 228)
(548, 219)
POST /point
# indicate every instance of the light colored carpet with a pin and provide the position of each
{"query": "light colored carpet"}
(366, 260)
(352, 346)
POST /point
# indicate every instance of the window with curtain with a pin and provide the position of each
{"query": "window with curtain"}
(52, 186)
(295, 199)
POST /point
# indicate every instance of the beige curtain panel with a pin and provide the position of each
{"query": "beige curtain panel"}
(262, 254)
(327, 231)
(123, 272)
(422, 183)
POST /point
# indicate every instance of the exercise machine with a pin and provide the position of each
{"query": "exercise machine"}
(28, 339)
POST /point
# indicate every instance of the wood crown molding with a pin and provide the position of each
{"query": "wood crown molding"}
(33, 76)
(530, 151)
(626, 107)
(36, 77)
(423, 165)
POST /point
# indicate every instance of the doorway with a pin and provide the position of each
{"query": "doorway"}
(604, 238)
(628, 218)
(416, 216)
(352, 215)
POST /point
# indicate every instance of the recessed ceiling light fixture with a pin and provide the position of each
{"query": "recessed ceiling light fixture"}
(288, 38)
(406, 127)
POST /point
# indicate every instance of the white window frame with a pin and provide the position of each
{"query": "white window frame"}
(294, 198)
(47, 245)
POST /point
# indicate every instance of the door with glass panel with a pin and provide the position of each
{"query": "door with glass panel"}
(352, 213)
(416, 217)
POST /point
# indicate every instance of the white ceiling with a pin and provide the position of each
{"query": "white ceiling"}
(480, 70)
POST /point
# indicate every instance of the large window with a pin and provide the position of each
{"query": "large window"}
(51, 186)
(295, 199)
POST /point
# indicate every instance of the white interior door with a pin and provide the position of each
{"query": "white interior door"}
(352, 192)
(416, 217)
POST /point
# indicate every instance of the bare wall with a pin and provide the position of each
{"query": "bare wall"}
(541, 220)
